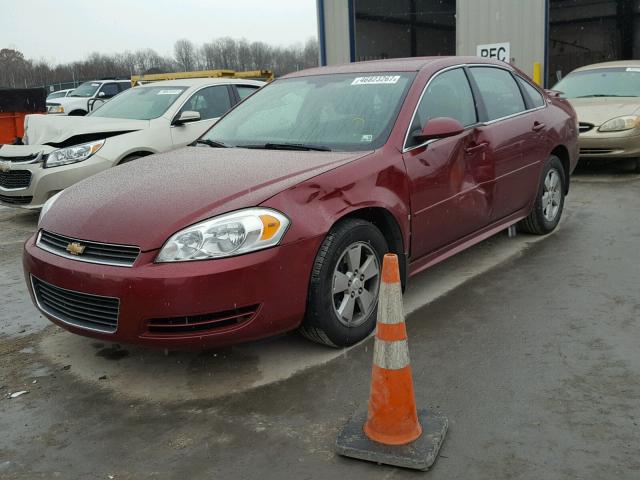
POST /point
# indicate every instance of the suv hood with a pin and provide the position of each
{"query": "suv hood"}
(600, 109)
(56, 129)
(144, 202)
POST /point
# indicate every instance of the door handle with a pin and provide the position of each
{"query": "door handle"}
(476, 148)
(537, 126)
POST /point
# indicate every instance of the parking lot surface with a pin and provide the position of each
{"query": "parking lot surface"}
(529, 345)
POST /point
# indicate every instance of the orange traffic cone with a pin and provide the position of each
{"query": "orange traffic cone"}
(393, 427)
(392, 418)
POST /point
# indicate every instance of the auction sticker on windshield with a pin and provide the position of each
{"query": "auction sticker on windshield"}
(376, 80)
(169, 92)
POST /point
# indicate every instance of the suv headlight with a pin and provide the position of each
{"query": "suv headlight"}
(56, 108)
(619, 124)
(225, 236)
(74, 154)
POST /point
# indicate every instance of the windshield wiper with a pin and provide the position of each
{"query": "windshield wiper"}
(602, 95)
(288, 146)
(211, 143)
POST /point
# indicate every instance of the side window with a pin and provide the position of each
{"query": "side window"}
(448, 95)
(535, 97)
(124, 86)
(499, 91)
(245, 90)
(109, 90)
(210, 102)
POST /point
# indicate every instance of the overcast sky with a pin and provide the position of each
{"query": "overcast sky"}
(65, 30)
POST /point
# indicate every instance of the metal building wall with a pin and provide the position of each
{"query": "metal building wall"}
(522, 23)
(336, 16)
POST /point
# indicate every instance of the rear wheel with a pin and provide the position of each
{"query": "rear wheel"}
(549, 203)
(343, 291)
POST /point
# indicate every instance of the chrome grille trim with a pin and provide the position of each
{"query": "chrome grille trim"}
(585, 127)
(95, 252)
(83, 310)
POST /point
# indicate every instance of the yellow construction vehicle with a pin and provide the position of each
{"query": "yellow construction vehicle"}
(266, 75)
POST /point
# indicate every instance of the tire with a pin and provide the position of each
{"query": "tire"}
(333, 265)
(546, 213)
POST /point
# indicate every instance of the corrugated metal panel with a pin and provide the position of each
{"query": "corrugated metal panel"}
(519, 22)
(336, 22)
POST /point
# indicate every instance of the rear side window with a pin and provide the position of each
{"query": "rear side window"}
(448, 95)
(245, 90)
(110, 90)
(499, 91)
(535, 99)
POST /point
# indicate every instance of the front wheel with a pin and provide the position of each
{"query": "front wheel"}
(343, 291)
(549, 203)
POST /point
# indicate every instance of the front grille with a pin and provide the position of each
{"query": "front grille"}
(15, 179)
(198, 323)
(93, 312)
(15, 200)
(584, 127)
(27, 158)
(94, 252)
(595, 151)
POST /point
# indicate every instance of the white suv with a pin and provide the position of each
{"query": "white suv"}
(79, 101)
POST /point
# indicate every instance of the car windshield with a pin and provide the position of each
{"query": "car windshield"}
(333, 112)
(87, 90)
(140, 103)
(601, 82)
(56, 95)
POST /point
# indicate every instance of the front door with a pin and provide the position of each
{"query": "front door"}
(451, 178)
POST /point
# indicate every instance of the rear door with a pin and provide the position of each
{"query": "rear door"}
(451, 177)
(512, 128)
(211, 103)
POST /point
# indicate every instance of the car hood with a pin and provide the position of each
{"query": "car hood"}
(600, 109)
(57, 129)
(22, 153)
(144, 202)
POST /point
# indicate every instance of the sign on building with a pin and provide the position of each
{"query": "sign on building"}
(499, 51)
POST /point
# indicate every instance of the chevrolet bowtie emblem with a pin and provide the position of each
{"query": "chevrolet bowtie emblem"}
(5, 166)
(75, 248)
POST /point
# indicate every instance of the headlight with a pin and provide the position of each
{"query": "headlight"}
(46, 207)
(55, 109)
(225, 236)
(65, 156)
(620, 123)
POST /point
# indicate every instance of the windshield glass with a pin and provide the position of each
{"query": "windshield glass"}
(140, 103)
(87, 89)
(337, 112)
(601, 82)
(56, 95)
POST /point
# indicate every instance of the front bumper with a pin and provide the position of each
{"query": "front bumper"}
(594, 144)
(46, 182)
(274, 281)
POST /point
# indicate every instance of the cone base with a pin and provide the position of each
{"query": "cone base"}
(418, 455)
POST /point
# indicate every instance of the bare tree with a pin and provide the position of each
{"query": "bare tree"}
(185, 54)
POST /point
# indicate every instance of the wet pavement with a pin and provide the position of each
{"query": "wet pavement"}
(528, 345)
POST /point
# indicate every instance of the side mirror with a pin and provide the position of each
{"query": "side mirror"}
(186, 117)
(439, 127)
(102, 94)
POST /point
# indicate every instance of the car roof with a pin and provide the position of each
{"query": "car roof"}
(410, 64)
(196, 82)
(617, 63)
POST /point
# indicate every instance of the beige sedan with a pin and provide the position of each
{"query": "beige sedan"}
(606, 97)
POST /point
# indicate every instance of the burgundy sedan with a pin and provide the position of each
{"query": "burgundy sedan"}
(278, 218)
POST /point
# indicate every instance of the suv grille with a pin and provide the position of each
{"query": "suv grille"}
(198, 323)
(584, 127)
(15, 179)
(83, 310)
(93, 252)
